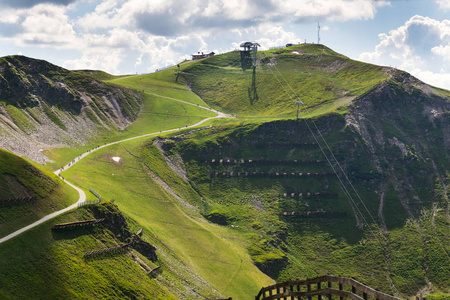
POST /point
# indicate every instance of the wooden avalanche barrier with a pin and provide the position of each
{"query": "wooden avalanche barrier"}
(269, 174)
(16, 200)
(314, 214)
(316, 195)
(117, 249)
(77, 224)
(265, 162)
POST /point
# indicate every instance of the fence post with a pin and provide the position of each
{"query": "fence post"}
(341, 287)
(309, 290)
(319, 287)
(330, 296)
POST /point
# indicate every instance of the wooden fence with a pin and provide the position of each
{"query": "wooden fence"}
(95, 193)
(118, 249)
(348, 288)
(16, 200)
(88, 202)
(77, 224)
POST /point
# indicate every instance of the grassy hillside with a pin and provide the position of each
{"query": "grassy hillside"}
(216, 254)
(43, 106)
(323, 79)
(234, 168)
(156, 114)
(44, 264)
(22, 179)
(226, 204)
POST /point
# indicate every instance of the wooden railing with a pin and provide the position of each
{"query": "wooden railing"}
(347, 288)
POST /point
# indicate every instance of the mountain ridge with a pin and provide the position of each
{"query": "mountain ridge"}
(263, 183)
(44, 106)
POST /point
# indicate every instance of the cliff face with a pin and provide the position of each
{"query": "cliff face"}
(405, 125)
(43, 106)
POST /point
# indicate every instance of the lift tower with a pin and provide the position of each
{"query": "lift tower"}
(247, 62)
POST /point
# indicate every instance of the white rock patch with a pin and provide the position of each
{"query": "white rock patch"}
(116, 158)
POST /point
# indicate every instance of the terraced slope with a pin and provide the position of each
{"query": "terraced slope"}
(272, 182)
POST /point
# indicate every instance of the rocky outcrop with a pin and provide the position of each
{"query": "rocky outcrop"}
(43, 106)
(116, 222)
(405, 125)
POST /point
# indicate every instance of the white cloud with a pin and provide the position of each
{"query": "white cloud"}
(420, 46)
(141, 35)
(47, 24)
(170, 17)
(9, 16)
(443, 51)
(42, 26)
(436, 79)
(443, 4)
(97, 59)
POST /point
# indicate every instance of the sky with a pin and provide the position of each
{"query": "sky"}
(140, 36)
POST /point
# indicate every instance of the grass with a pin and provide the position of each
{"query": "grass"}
(215, 253)
(41, 264)
(20, 119)
(311, 247)
(157, 114)
(324, 80)
(283, 248)
(24, 179)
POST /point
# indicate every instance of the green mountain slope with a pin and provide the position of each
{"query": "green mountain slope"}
(147, 190)
(28, 192)
(389, 135)
(47, 264)
(272, 182)
(321, 77)
(43, 106)
(258, 192)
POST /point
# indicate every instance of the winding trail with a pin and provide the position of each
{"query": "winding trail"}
(82, 194)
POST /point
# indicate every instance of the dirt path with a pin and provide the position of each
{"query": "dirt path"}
(82, 194)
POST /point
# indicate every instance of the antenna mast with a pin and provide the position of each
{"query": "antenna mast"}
(318, 33)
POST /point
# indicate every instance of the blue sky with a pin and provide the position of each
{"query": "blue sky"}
(139, 36)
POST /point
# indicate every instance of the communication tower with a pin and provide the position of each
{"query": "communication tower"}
(318, 33)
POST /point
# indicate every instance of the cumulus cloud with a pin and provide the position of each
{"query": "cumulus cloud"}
(175, 18)
(267, 35)
(142, 35)
(42, 25)
(420, 46)
(97, 59)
